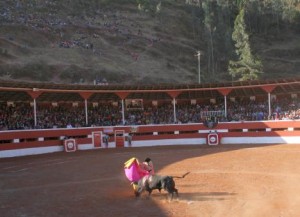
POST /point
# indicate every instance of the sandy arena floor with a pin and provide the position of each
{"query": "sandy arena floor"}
(224, 181)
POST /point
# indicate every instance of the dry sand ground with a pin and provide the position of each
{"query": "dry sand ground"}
(233, 181)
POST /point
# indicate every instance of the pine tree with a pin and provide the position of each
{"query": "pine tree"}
(247, 67)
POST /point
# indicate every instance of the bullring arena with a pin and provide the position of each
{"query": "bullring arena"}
(228, 180)
(237, 169)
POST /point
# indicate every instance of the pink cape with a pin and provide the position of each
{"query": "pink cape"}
(133, 171)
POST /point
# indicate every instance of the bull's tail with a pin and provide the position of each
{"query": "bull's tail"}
(181, 177)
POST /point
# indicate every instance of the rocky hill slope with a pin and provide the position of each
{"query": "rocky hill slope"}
(64, 41)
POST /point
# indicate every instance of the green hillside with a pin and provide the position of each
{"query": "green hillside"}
(143, 41)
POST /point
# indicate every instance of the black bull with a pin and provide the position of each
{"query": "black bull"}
(152, 182)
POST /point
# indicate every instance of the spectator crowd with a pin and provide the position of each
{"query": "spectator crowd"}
(21, 116)
(90, 29)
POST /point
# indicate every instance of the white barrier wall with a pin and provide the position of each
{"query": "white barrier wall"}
(32, 142)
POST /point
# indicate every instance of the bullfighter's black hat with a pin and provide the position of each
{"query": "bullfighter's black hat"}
(147, 160)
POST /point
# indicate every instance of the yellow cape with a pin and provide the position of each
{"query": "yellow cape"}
(129, 162)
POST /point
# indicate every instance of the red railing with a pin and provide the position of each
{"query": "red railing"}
(10, 140)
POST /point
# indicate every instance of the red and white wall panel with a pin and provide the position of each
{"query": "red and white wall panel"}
(31, 142)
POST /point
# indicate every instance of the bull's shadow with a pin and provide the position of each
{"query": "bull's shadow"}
(196, 196)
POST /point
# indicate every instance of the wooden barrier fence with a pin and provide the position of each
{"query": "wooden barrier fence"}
(29, 142)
